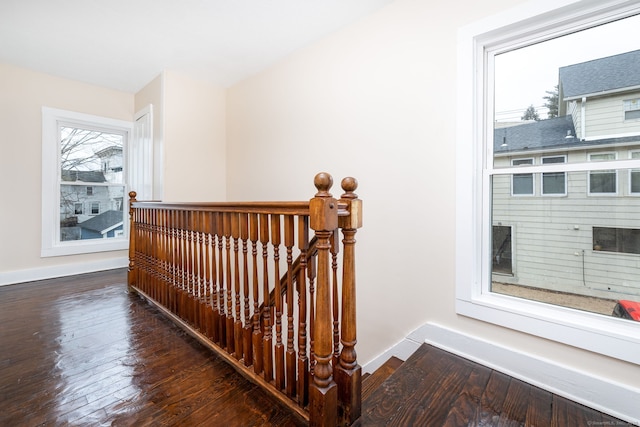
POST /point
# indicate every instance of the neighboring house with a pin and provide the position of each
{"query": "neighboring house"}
(107, 224)
(85, 197)
(576, 231)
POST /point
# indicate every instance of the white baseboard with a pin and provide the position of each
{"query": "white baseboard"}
(617, 400)
(41, 273)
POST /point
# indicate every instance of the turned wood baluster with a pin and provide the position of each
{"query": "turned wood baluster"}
(335, 248)
(267, 340)
(229, 324)
(237, 325)
(303, 361)
(323, 393)
(155, 255)
(175, 261)
(222, 324)
(290, 362)
(193, 262)
(256, 336)
(208, 317)
(162, 234)
(247, 346)
(215, 308)
(182, 272)
(202, 301)
(151, 252)
(348, 374)
(279, 347)
(132, 271)
(311, 275)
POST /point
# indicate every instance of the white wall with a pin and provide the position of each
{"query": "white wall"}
(24, 93)
(194, 140)
(377, 101)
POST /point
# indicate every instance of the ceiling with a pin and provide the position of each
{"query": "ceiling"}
(124, 44)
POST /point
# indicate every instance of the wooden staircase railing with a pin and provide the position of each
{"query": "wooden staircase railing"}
(287, 324)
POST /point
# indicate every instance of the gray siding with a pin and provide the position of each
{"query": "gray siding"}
(552, 241)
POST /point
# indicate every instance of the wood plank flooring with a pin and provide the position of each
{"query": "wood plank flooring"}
(437, 388)
(81, 351)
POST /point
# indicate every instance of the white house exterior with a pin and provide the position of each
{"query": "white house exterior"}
(573, 230)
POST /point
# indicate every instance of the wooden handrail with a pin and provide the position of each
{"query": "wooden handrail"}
(225, 272)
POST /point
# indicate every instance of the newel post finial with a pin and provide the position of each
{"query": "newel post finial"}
(323, 219)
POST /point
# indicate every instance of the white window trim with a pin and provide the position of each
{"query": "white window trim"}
(51, 246)
(537, 20)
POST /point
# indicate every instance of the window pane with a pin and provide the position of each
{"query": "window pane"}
(523, 183)
(91, 216)
(553, 183)
(624, 240)
(90, 156)
(602, 182)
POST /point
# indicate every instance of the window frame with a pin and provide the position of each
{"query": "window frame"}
(51, 244)
(518, 27)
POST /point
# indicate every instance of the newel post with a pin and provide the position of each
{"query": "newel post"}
(132, 242)
(323, 393)
(348, 374)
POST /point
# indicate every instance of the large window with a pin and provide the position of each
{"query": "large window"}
(84, 191)
(623, 240)
(547, 56)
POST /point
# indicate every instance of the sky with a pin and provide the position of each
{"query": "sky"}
(524, 75)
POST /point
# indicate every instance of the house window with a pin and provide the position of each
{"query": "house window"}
(552, 237)
(95, 208)
(603, 181)
(631, 109)
(634, 175)
(554, 183)
(623, 240)
(522, 183)
(74, 149)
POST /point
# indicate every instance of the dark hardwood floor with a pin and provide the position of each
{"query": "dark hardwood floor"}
(437, 388)
(81, 351)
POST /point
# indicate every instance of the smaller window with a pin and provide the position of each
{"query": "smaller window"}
(603, 181)
(77, 208)
(624, 240)
(89, 191)
(632, 109)
(95, 208)
(554, 183)
(634, 175)
(522, 183)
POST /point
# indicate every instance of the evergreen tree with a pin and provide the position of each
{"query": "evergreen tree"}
(552, 102)
(530, 114)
